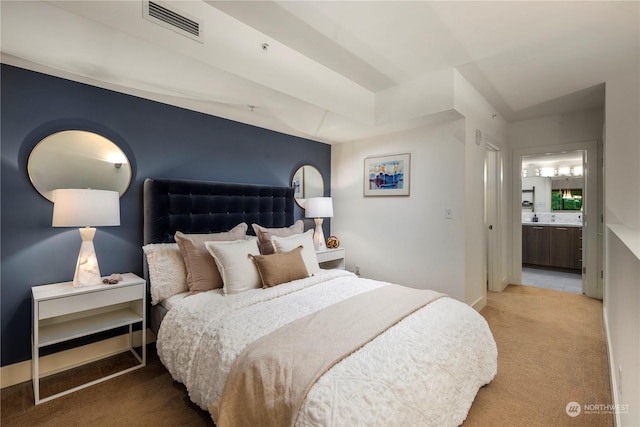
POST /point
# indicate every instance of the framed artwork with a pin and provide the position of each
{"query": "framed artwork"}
(387, 175)
(298, 184)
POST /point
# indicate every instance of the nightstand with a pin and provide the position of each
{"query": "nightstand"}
(62, 313)
(331, 258)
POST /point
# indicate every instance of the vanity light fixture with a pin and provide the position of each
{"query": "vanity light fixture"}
(84, 207)
(319, 208)
(547, 172)
(564, 171)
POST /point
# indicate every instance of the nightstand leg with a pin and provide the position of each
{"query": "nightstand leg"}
(130, 337)
(35, 354)
(35, 374)
(144, 345)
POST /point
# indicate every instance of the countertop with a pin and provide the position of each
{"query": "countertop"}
(556, 224)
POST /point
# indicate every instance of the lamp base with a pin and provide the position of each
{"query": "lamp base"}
(87, 270)
(318, 236)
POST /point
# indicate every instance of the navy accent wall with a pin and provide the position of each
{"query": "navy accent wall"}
(160, 140)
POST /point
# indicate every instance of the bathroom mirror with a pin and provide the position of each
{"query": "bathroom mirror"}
(78, 159)
(307, 182)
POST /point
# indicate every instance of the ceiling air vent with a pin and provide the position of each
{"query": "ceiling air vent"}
(170, 18)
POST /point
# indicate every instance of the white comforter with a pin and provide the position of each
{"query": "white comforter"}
(424, 371)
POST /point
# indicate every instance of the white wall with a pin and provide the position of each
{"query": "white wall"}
(622, 220)
(557, 129)
(622, 152)
(405, 240)
(475, 244)
(622, 320)
(482, 125)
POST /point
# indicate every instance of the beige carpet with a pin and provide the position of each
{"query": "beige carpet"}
(551, 351)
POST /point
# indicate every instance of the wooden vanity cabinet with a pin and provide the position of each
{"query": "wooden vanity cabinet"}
(535, 245)
(552, 246)
(562, 251)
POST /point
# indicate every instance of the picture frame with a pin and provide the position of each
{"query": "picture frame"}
(387, 175)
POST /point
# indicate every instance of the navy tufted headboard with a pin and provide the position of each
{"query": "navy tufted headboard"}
(172, 205)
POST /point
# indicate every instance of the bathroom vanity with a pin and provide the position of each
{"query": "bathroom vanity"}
(552, 245)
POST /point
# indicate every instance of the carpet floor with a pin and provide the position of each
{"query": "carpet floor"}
(551, 352)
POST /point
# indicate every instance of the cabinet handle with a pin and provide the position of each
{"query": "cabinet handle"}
(538, 228)
(561, 228)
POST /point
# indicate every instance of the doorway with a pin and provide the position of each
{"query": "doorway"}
(553, 195)
(557, 204)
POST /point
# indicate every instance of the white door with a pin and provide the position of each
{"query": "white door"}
(492, 172)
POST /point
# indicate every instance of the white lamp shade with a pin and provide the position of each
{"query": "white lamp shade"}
(82, 207)
(319, 207)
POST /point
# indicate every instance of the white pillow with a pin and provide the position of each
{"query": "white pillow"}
(289, 243)
(237, 269)
(167, 272)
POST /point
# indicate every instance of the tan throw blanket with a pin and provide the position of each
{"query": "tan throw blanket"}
(270, 379)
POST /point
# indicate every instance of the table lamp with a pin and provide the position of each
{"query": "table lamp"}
(79, 207)
(319, 208)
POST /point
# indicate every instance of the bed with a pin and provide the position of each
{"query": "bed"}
(325, 349)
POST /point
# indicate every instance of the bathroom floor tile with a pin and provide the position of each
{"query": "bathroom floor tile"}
(550, 279)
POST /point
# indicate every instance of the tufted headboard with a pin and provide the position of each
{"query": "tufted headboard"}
(172, 205)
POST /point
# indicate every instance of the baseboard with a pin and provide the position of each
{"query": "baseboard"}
(613, 375)
(479, 304)
(504, 283)
(63, 360)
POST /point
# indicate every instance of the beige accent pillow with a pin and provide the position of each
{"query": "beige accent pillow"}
(281, 267)
(167, 272)
(202, 273)
(264, 235)
(236, 267)
(286, 244)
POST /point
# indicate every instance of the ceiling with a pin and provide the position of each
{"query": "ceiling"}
(333, 71)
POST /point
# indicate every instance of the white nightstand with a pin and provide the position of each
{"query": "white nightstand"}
(62, 312)
(331, 258)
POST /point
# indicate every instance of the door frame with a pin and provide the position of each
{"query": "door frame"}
(591, 286)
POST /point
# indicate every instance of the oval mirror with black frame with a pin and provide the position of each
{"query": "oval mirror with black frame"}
(307, 182)
(78, 159)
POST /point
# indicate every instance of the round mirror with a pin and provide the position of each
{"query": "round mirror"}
(307, 182)
(78, 159)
